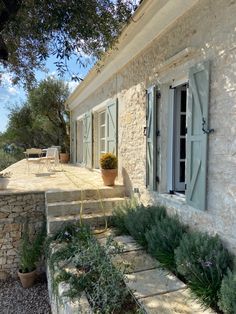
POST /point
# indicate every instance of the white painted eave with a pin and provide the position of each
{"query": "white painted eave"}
(151, 19)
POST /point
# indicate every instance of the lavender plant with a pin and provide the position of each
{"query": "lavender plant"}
(203, 261)
(163, 238)
(227, 294)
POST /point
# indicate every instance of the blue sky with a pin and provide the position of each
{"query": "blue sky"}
(10, 94)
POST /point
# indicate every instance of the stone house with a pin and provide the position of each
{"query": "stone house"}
(164, 101)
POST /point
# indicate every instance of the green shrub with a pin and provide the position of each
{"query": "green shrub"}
(101, 281)
(203, 261)
(108, 161)
(131, 218)
(163, 238)
(141, 219)
(30, 249)
(227, 295)
(119, 214)
(71, 232)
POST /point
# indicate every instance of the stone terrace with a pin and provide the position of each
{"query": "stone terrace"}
(36, 195)
(66, 177)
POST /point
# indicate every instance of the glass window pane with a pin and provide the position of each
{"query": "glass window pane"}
(102, 118)
(102, 145)
(183, 100)
(182, 124)
(182, 148)
(182, 172)
(102, 132)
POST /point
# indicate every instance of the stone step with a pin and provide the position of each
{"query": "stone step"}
(93, 220)
(155, 289)
(88, 206)
(87, 194)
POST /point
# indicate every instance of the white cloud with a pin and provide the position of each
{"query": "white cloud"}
(6, 79)
(53, 74)
(9, 93)
(72, 85)
(12, 90)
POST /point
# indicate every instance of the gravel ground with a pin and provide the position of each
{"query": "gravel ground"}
(16, 300)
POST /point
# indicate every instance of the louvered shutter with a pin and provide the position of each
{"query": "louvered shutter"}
(198, 101)
(151, 140)
(111, 127)
(87, 140)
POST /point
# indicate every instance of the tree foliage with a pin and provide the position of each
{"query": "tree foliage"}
(42, 121)
(31, 30)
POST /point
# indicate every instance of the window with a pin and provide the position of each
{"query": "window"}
(186, 152)
(179, 136)
(102, 132)
(177, 139)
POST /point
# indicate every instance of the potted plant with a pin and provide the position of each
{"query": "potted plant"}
(108, 163)
(64, 155)
(30, 252)
(4, 180)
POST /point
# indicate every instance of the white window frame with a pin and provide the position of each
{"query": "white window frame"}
(170, 145)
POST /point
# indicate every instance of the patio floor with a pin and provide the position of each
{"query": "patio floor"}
(66, 177)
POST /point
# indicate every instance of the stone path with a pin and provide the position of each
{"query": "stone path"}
(154, 288)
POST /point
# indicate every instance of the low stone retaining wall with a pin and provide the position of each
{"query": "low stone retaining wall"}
(14, 208)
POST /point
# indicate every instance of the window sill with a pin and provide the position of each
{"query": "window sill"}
(175, 198)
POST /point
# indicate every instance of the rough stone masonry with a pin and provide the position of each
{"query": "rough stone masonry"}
(14, 209)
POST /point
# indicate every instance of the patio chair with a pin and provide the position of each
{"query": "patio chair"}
(51, 160)
(32, 152)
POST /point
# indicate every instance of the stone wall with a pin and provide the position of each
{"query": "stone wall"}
(209, 29)
(14, 208)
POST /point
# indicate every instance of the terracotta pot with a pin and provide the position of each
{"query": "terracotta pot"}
(64, 158)
(27, 279)
(3, 183)
(109, 176)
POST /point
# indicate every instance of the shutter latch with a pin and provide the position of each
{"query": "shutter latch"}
(145, 131)
(206, 131)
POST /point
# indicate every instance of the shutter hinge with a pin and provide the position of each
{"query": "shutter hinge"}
(158, 94)
(158, 133)
(157, 179)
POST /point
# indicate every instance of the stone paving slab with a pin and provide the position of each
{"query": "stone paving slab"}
(66, 177)
(127, 243)
(150, 282)
(178, 302)
(157, 290)
(134, 261)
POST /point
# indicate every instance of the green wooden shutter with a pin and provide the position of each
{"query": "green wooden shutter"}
(198, 101)
(87, 139)
(111, 128)
(75, 142)
(151, 141)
